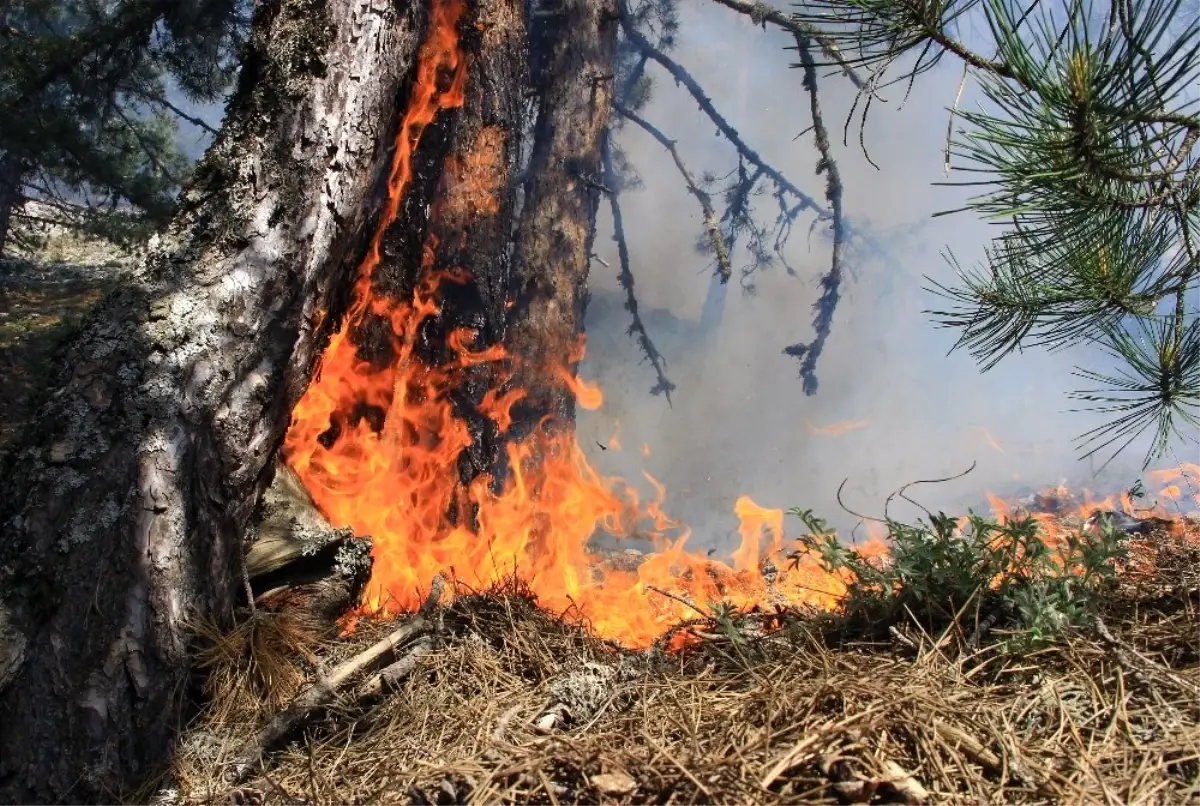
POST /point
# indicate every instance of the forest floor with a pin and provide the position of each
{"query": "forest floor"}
(43, 298)
(492, 700)
(501, 702)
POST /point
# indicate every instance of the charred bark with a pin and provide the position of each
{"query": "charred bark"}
(471, 222)
(573, 75)
(125, 510)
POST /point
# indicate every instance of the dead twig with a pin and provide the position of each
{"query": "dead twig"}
(681, 600)
(324, 690)
(762, 13)
(969, 744)
(724, 267)
(390, 677)
(682, 76)
(831, 282)
(637, 327)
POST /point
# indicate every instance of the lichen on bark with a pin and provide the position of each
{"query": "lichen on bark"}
(126, 503)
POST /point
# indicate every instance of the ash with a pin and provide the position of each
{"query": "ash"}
(578, 694)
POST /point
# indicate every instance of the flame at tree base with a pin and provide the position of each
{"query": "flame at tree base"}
(398, 481)
(378, 449)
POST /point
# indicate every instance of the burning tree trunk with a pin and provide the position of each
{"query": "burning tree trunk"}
(361, 205)
(124, 511)
(450, 357)
(554, 241)
(127, 508)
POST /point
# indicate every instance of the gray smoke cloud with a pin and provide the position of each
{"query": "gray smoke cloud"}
(740, 422)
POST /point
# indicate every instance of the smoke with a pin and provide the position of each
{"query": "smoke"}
(740, 422)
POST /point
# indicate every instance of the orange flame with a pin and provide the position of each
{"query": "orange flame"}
(614, 442)
(989, 439)
(587, 395)
(836, 429)
(378, 448)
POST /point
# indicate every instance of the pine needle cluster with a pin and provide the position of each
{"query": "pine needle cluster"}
(1086, 149)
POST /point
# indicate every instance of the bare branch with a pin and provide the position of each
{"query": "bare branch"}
(762, 13)
(706, 105)
(156, 98)
(831, 283)
(710, 216)
(637, 327)
(635, 75)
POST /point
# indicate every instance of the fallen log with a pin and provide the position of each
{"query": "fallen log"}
(295, 555)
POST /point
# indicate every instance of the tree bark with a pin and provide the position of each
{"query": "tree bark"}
(471, 224)
(10, 195)
(573, 75)
(124, 511)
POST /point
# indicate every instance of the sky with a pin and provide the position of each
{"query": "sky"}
(739, 422)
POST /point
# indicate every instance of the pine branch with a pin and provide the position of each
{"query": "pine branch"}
(878, 32)
(637, 327)
(1088, 138)
(132, 22)
(1159, 387)
(156, 98)
(152, 152)
(724, 268)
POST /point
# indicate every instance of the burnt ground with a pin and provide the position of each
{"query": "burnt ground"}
(42, 302)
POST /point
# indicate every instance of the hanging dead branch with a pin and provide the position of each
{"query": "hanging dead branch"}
(761, 13)
(637, 328)
(711, 225)
(832, 281)
(683, 77)
(754, 176)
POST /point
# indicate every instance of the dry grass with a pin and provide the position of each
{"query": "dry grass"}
(258, 667)
(790, 718)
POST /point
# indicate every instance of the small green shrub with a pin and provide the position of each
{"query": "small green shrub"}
(1001, 574)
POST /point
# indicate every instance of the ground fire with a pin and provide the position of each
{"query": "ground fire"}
(304, 498)
(378, 448)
